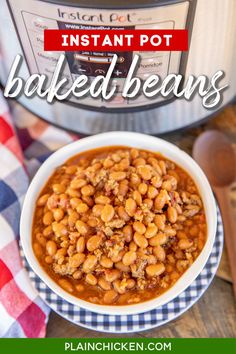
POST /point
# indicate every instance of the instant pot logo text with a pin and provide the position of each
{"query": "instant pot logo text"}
(114, 17)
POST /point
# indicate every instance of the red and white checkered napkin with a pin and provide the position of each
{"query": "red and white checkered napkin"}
(24, 145)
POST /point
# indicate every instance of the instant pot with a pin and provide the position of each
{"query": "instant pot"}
(212, 47)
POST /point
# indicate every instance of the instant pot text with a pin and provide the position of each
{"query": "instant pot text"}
(208, 89)
(112, 17)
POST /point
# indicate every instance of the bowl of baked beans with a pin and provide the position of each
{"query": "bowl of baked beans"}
(119, 222)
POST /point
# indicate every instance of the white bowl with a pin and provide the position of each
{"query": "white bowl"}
(140, 141)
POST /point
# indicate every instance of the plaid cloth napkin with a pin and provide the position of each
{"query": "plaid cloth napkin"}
(25, 143)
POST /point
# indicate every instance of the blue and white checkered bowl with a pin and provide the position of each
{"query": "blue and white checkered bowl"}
(140, 141)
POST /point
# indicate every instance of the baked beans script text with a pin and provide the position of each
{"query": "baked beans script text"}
(103, 86)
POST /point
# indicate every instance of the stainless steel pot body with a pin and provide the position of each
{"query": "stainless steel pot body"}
(212, 29)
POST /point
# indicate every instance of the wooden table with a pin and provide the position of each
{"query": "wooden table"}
(214, 315)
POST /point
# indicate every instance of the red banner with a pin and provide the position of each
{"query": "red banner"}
(115, 40)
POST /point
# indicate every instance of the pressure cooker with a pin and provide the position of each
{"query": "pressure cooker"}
(211, 27)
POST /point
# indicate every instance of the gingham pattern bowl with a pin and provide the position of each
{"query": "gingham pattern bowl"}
(142, 321)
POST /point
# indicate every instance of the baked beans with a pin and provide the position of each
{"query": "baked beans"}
(118, 225)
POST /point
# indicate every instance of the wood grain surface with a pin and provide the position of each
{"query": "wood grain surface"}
(214, 315)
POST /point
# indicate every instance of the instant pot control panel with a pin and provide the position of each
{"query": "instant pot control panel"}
(32, 17)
